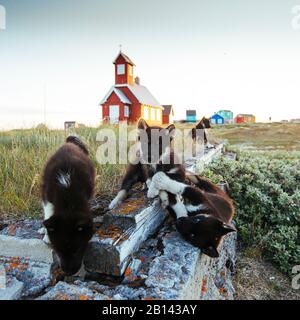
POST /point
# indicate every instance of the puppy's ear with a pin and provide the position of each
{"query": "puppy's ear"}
(142, 124)
(211, 252)
(171, 130)
(226, 228)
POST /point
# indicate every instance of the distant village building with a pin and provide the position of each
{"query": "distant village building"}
(127, 100)
(295, 121)
(191, 115)
(168, 114)
(227, 115)
(217, 119)
(245, 118)
(71, 125)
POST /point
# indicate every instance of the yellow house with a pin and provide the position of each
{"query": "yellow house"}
(152, 115)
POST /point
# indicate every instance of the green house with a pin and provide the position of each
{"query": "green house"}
(227, 115)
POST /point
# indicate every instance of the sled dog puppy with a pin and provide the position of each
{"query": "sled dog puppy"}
(152, 156)
(67, 187)
(203, 124)
(204, 211)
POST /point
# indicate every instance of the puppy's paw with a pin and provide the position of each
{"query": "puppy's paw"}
(152, 191)
(42, 230)
(118, 199)
(164, 198)
(209, 146)
(113, 204)
(46, 239)
(161, 181)
(148, 183)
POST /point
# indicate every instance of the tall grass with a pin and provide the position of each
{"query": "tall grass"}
(23, 154)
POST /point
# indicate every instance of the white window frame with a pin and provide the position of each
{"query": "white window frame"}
(121, 69)
(114, 120)
(126, 111)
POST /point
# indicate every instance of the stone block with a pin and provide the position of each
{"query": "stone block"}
(65, 291)
(22, 239)
(110, 249)
(34, 275)
(12, 289)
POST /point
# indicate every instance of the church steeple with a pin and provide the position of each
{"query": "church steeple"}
(123, 69)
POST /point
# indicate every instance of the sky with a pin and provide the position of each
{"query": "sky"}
(56, 57)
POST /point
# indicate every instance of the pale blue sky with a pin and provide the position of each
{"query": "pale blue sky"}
(208, 55)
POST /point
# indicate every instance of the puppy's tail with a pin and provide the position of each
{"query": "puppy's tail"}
(75, 140)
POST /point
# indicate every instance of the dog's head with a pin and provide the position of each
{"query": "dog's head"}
(204, 123)
(69, 236)
(154, 141)
(204, 231)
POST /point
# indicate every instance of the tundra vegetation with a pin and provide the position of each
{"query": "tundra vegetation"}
(266, 189)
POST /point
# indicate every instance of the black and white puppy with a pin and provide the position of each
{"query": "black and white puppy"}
(67, 187)
(154, 154)
(199, 134)
(204, 211)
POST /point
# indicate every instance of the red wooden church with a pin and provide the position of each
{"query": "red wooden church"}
(127, 100)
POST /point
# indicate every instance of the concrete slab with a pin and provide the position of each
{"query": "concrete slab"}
(12, 290)
(65, 291)
(197, 164)
(182, 272)
(35, 276)
(208, 157)
(22, 239)
(34, 249)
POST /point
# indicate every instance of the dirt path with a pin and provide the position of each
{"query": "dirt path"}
(259, 280)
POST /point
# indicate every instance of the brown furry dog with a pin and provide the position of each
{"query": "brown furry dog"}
(67, 187)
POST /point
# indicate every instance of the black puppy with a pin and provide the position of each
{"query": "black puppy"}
(67, 187)
(199, 134)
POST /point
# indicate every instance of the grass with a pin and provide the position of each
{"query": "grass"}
(23, 154)
(269, 136)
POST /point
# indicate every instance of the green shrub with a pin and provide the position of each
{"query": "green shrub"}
(266, 189)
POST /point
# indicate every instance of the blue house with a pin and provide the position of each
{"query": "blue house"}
(217, 119)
